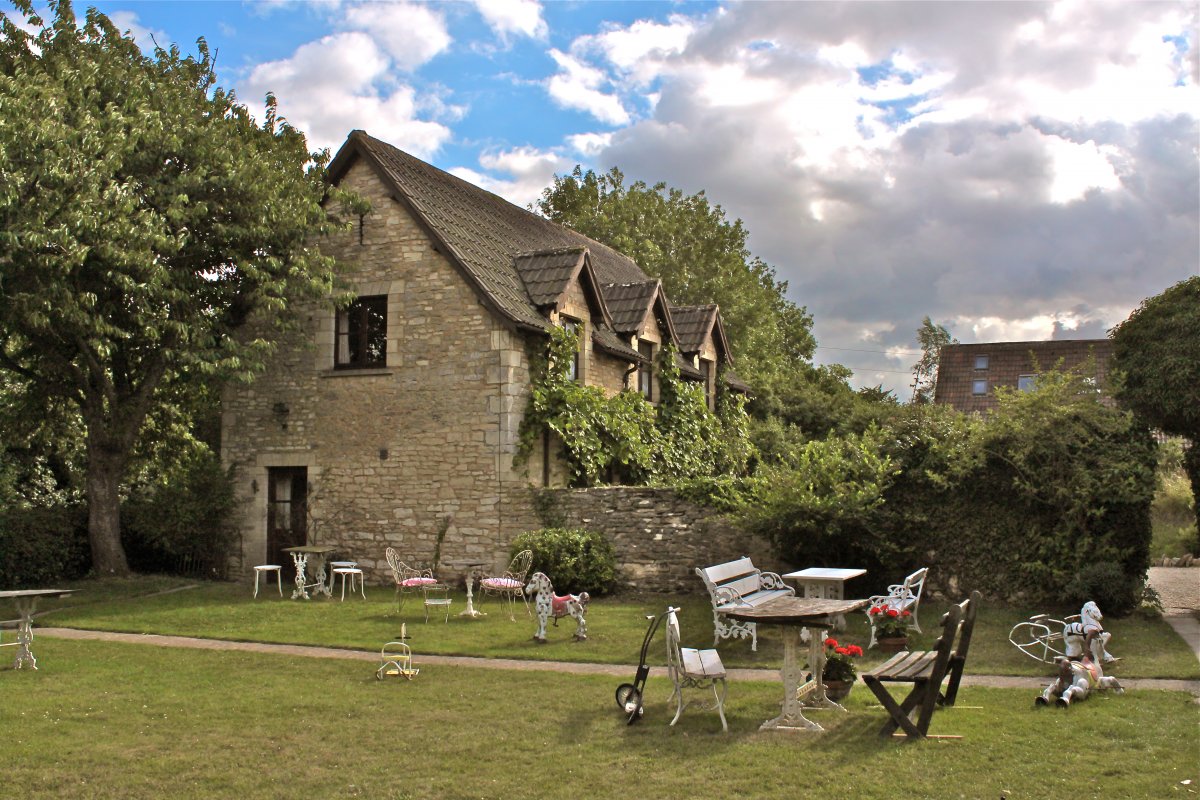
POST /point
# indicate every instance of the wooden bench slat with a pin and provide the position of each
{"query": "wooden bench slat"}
(722, 573)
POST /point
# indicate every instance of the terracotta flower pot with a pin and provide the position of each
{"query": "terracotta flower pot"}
(838, 690)
(892, 644)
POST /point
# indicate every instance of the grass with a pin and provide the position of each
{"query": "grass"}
(1172, 516)
(616, 626)
(103, 720)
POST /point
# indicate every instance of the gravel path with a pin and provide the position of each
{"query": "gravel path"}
(1179, 588)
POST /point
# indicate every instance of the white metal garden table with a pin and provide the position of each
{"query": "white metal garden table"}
(26, 602)
(310, 557)
(472, 567)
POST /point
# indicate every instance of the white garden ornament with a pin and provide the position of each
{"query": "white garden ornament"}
(1075, 681)
(548, 605)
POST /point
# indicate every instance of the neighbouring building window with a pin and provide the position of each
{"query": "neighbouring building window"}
(362, 333)
(646, 371)
(981, 362)
(978, 387)
(574, 326)
(1025, 383)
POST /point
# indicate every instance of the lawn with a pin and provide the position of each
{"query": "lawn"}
(103, 720)
(1149, 648)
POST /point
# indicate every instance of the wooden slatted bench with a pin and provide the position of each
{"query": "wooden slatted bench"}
(926, 669)
(740, 584)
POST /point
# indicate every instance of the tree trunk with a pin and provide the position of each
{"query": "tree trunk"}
(104, 469)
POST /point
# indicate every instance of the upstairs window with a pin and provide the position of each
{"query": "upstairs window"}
(706, 369)
(981, 362)
(1025, 383)
(646, 371)
(362, 334)
(574, 327)
(979, 387)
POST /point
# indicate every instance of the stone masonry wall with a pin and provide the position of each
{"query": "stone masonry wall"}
(659, 537)
(391, 452)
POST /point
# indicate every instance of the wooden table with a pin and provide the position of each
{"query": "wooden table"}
(472, 567)
(314, 556)
(792, 614)
(26, 602)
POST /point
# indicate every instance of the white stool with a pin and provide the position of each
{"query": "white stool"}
(262, 568)
(333, 565)
(353, 572)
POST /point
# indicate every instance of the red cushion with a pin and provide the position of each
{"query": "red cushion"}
(417, 581)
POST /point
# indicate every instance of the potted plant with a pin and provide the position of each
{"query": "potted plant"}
(890, 627)
(839, 673)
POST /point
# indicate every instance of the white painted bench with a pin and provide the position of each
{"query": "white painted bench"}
(740, 584)
(900, 596)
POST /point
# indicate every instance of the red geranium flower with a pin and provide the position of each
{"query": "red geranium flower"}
(831, 642)
(875, 610)
(906, 613)
(891, 612)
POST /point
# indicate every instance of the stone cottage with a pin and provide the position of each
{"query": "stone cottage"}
(397, 417)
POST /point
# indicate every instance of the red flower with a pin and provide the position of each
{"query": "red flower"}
(906, 613)
(891, 612)
(875, 610)
(842, 651)
(854, 650)
(831, 642)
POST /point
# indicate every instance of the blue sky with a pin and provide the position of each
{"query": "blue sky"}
(1016, 171)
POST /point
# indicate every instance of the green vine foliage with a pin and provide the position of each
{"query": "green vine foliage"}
(624, 437)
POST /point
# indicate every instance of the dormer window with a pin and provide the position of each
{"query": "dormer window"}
(362, 334)
(646, 370)
(576, 328)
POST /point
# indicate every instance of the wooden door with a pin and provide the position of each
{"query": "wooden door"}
(287, 514)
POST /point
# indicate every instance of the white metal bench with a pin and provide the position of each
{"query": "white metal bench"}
(900, 596)
(740, 584)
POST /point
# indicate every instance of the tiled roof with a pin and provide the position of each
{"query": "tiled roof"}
(547, 273)
(482, 232)
(692, 325)
(630, 302)
(606, 339)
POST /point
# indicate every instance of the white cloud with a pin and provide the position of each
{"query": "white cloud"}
(589, 144)
(506, 17)
(328, 87)
(577, 86)
(411, 33)
(640, 50)
(531, 170)
(1077, 169)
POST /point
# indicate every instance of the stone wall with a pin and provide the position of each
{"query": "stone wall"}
(659, 537)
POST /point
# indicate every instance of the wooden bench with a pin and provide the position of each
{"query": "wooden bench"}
(740, 584)
(926, 669)
(900, 596)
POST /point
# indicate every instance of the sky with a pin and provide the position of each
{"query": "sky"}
(1016, 171)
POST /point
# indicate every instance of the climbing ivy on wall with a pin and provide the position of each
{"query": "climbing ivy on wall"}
(624, 437)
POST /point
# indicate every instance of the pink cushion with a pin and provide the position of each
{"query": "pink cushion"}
(417, 581)
(501, 583)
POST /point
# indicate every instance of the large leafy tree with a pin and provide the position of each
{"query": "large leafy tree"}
(145, 218)
(1156, 353)
(932, 338)
(700, 256)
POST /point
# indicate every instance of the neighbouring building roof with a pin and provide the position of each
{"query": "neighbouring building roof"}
(968, 374)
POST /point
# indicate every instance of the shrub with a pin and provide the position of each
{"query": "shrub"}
(574, 559)
(182, 522)
(43, 545)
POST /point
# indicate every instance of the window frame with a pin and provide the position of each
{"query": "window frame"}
(575, 368)
(646, 371)
(975, 384)
(362, 328)
(982, 362)
(1027, 382)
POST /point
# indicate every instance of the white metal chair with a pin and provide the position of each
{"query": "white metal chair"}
(351, 573)
(509, 585)
(263, 569)
(900, 596)
(437, 596)
(409, 580)
(395, 660)
(690, 668)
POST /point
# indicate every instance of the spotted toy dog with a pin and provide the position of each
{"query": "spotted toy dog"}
(549, 605)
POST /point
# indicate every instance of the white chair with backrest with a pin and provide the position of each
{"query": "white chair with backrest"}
(690, 668)
(900, 596)
(510, 585)
(409, 580)
(264, 569)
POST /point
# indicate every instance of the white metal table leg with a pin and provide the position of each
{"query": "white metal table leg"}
(25, 607)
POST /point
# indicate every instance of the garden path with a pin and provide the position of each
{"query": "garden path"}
(615, 670)
(1179, 590)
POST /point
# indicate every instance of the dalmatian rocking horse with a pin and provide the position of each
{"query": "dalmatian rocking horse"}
(549, 605)
(1075, 681)
(1047, 639)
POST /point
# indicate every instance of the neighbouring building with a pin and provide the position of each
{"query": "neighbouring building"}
(969, 374)
(398, 416)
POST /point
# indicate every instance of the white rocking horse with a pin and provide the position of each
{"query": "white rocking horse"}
(549, 605)
(1075, 681)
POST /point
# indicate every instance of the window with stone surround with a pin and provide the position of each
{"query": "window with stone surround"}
(575, 327)
(646, 370)
(362, 334)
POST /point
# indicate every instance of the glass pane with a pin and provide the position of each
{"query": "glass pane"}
(979, 387)
(981, 362)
